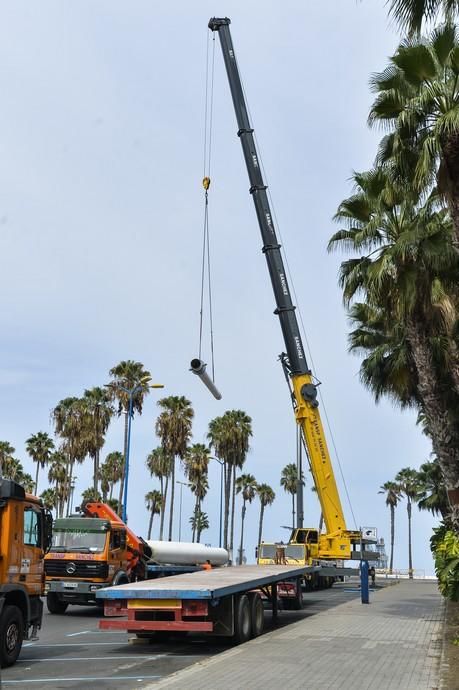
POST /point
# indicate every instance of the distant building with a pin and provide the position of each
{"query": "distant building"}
(381, 549)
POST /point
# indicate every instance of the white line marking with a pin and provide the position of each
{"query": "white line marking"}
(83, 632)
(150, 657)
(81, 678)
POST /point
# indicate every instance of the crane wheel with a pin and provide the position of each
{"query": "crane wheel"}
(242, 619)
(11, 635)
(54, 604)
(257, 614)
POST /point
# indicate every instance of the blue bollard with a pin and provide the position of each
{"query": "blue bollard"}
(364, 584)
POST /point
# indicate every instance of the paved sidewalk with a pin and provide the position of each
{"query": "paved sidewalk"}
(394, 643)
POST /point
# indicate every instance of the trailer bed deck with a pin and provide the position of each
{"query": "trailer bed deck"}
(207, 584)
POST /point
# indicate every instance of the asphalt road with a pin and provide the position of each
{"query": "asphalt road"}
(73, 654)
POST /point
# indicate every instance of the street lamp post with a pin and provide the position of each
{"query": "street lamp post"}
(221, 463)
(143, 383)
(182, 484)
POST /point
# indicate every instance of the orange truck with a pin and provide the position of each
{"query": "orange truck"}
(25, 536)
(89, 551)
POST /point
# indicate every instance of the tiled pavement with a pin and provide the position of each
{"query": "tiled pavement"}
(393, 643)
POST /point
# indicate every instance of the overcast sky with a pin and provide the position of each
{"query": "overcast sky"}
(101, 207)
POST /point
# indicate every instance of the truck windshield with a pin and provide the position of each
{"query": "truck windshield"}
(78, 540)
(267, 551)
(294, 553)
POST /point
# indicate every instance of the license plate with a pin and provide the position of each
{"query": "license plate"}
(70, 585)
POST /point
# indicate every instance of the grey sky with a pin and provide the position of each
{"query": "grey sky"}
(101, 211)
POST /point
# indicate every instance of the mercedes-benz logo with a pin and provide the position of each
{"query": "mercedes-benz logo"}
(71, 568)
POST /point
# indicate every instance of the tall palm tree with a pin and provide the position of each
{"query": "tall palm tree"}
(99, 409)
(112, 469)
(393, 495)
(417, 97)
(26, 481)
(153, 501)
(6, 451)
(48, 496)
(128, 376)
(39, 447)
(89, 495)
(410, 15)
(266, 496)
(173, 427)
(229, 435)
(408, 482)
(246, 485)
(432, 494)
(159, 463)
(199, 522)
(69, 419)
(12, 468)
(196, 464)
(57, 475)
(289, 482)
(407, 272)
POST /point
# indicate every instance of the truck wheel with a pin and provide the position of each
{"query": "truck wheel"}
(54, 604)
(257, 614)
(11, 634)
(242, 622)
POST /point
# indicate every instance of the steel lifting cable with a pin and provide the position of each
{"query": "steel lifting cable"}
(205, 262)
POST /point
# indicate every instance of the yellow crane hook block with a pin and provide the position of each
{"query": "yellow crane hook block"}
(206, 183)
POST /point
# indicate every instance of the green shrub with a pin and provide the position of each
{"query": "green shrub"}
(445, 548)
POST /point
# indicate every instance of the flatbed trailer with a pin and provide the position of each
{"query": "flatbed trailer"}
(224, 601)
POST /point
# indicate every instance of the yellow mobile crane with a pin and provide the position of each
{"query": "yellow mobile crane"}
(337, 543)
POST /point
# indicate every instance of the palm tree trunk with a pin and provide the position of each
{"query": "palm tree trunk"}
(392, 538)
(410, 556)
(196, 513)
(111, 490)
(163, 507)
(69, 486)
(450, 150)
(444, 432)
(293, 510)
(241, 546)
(120, 496)
(150, 524)
(260, 527)
(171, 509)
(36, 479)
(95, 475)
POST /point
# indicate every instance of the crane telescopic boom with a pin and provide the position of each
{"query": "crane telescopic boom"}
(337, 542)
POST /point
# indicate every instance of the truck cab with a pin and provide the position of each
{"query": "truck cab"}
(25, 534)
(86, 554)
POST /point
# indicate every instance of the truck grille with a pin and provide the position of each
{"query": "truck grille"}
(71, 569)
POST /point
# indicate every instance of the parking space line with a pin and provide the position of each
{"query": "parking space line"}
(149, 657)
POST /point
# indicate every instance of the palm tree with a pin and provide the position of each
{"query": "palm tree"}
(266, 497)
(99, 410)
(392, 492)
(159, 462)
(39, 447)
(432, 494)
(89, 495)
(411, 14)
(199, 522)
(12, 469)
(196, 463)
(6, 452)
(57, 474)
(408, 482)
(173, 426)
(407, 272)
(247, 486)
(112, 469)
(69, 419)
(153, 500)
(289, 482)
(229, 436)
(48, 496)
(417, 96)
(128, 376)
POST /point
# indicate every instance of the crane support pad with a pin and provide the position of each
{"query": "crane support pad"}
(207, 584)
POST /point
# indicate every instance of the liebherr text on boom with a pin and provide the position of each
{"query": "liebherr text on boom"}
(337, 542)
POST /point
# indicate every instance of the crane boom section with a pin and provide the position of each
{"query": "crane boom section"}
(304, 390)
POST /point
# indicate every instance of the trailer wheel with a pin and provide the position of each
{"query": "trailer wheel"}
(54, 604)
(257, 614)
(11, 635)
(242, 622)
(297, 602)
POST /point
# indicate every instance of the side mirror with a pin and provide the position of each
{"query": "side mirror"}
(47, 530)
(256, 552)
(123, 540)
